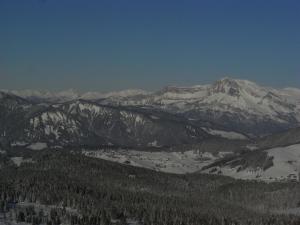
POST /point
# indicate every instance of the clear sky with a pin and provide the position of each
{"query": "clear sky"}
(108, 45)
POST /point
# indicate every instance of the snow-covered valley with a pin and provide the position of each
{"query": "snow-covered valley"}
(284, 162)
(170, 162)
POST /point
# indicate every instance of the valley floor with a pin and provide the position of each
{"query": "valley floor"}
(170, 162)
(285, 162)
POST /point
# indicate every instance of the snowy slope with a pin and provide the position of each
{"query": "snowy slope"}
(82, 122)
(228, 104)
(284, 164)
(69, 95)
(170, 162)
(116, 94)
(44, 95)
(226, 134)
(228, 95)
(291, 93)
(223, 95)
(237, 105)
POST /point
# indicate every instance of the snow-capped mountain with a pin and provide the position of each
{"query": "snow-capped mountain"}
(172, 120)
(234, 105)
(292, 94)
(69, 95)
(82, 122)
(45, 96)
(230, 105)
(237, 105)
(111, 95)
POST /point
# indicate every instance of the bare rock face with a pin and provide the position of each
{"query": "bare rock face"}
(226, 86)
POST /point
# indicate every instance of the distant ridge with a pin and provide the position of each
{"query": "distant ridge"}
(230, 104)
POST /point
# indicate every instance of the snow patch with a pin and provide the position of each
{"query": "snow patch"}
(18, 143)
(226, 134)
(19, 160)
(154, 144)
(37, 146)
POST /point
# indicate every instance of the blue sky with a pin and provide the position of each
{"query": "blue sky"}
(108, 45)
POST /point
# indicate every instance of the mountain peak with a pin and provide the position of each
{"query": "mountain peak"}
(227, 86)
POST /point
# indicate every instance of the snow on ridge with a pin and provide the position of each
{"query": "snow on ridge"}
(226, 95)
(115, 94)
(71, 94)
(44, 94)
(226, 134)
(291, 93)
(180, 92)
(292, 89)
(127, 93)
(37, 146)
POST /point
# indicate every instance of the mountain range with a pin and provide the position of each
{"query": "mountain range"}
(231, 127)
(227, 104)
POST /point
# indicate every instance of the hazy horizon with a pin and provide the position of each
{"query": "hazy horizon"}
(136, 88)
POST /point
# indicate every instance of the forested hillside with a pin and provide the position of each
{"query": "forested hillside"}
(55, 187)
